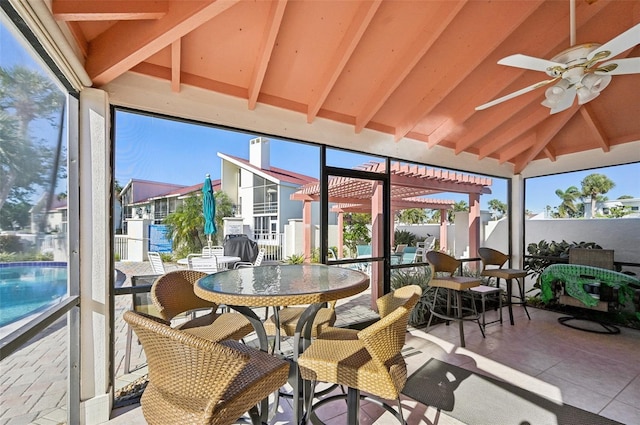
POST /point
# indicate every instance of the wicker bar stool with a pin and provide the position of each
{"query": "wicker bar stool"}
(371, 363)
(492, 257)
(172, 293)
(196, 381)
(441, 263)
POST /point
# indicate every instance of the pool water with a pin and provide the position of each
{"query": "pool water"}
(26, 289)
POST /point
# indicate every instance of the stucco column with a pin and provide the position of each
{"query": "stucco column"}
(340, 253)
(306, 233)
(474, 225)
(516, 215)
(95, 255)
(443, 231)
(377, 267)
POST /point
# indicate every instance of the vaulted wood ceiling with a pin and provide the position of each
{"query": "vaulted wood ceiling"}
(413, 69)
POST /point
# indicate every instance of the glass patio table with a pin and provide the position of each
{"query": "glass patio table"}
(282, 285)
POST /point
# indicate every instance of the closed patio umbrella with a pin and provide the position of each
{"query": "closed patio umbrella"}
(208, 209)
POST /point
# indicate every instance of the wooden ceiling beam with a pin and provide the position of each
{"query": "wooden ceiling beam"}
(544, 134)
(596, 128)
(128, 43)
(268, 41)
(359, 24)
(100, 10)
(467, 56)
(517, 146)
(176, 65)
(512, 129)
(412, 55)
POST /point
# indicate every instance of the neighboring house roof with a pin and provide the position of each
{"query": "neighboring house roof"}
(185, 190)
(58, 204)
(276, 174)
(142, 190)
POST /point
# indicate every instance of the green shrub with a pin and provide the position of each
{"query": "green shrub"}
(404, 237)
(535, 266)
(167, 257)
(7, 257)
(415, 276)
(295, 259)
(11, 243)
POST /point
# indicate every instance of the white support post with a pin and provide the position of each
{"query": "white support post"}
(95, 254)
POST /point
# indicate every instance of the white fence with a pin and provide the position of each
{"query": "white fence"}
(120, 247)
(272, 245)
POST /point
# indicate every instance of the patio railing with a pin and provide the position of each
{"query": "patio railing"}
(272, 245)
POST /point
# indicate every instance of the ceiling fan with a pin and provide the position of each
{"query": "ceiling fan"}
(576, 71)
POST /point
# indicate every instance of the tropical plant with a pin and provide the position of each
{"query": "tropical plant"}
(619, 211)
(457, 207)
(498, 208)
(185, 226)
(594, 185)
(11, 244)
(568, 207)
(356, 230)
(419, 276)
(166, 257)
(413, 216)
(404, 237)
(224, 208)
(295, 259)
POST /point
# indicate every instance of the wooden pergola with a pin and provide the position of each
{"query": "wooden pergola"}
(410, 186)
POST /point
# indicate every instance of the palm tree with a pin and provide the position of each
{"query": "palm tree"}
(413, 216)
(185, 226)
(498, 207)
(457, 207)
(568, 197)
(594, 185)
(25, 96)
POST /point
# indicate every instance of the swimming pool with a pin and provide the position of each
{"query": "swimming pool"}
(29, 287)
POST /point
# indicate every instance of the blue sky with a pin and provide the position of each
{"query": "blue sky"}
(160, 150)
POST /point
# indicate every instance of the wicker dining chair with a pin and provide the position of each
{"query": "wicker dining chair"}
(172, 293)
(371, 363)
(196, 381)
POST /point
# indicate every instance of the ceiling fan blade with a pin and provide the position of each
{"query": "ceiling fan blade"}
(516, 94)
(618, 44)
(566, 101)
(529, 62)
(622, 66)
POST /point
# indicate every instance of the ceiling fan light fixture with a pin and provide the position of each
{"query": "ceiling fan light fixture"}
(585, 95)
(555, 93)
(596, 83)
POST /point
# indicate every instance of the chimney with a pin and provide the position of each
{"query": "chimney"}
(259, 153)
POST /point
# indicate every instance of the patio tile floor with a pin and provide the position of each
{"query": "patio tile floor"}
(598, 373)
(540, 355)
